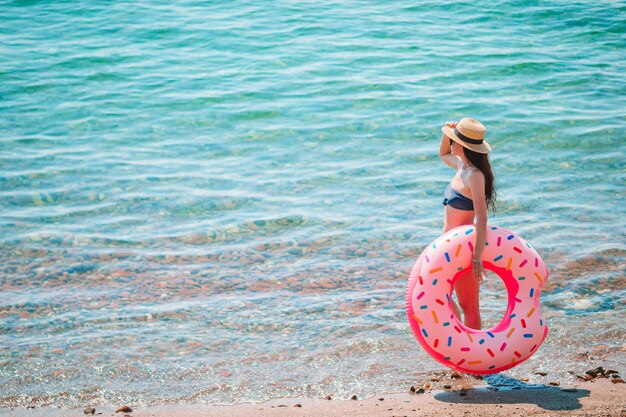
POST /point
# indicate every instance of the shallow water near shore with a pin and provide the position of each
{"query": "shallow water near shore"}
(222, 203)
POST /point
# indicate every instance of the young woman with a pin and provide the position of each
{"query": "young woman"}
(470, 193)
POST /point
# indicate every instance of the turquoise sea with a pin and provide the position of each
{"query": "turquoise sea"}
(222, 201)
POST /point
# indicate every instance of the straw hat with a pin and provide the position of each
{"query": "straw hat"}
(470, 134)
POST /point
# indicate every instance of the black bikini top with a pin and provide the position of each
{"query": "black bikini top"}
(455, 199)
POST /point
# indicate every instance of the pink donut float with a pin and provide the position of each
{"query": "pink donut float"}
(441, 333)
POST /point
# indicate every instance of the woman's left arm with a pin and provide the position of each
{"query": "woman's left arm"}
(476, 183)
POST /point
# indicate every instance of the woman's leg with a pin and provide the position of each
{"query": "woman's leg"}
(470, 316)
(456, 310)
(467, 289)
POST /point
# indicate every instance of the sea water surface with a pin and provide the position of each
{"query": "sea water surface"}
(222, 201)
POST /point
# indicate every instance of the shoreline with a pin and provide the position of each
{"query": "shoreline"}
(598, 397)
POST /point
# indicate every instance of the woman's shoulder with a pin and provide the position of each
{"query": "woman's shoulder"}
(471, 172)
(474, 175)
(474, 171)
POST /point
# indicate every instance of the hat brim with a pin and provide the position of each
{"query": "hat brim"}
(482, 148)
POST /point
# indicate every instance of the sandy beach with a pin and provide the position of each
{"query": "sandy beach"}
(502, 396)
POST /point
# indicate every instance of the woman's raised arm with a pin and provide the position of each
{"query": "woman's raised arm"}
(444, 150)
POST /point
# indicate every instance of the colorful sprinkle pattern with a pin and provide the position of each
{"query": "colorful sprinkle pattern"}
(450, 342)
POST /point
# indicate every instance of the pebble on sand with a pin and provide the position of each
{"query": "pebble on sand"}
(124, 409)
(598, 372)
(414, 390)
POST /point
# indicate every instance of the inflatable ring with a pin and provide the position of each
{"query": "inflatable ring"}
(440, 332)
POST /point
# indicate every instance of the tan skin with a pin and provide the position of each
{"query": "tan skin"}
(470, 182)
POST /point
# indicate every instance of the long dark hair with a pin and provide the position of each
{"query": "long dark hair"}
(481, 161)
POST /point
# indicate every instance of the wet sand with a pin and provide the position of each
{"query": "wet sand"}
(599, 397)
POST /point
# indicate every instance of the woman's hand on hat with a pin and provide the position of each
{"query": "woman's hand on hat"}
(451, 124)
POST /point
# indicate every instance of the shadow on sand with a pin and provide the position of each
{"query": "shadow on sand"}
(505, 390)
